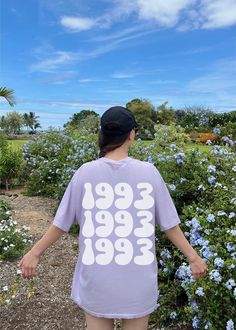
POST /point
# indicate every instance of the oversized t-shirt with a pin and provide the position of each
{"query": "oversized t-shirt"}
(117, 204)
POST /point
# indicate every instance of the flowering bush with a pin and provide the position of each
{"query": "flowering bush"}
(13, 241)
(53, 157)
(201, 185)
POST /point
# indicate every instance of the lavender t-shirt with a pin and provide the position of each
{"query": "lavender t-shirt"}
(117, 204)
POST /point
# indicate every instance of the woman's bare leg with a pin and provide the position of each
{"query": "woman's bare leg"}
(98, 323)
(140, 323)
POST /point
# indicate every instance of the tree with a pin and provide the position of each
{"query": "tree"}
(145, 115)
(77, 118)
(12, 122)
(166, 116)
(197, 117)
(8, 95)
(30, 120)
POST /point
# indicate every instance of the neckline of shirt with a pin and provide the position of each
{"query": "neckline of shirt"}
(123, 160)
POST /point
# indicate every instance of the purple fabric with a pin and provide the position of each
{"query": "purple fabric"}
(117, 204)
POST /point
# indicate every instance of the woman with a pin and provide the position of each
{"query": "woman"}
(117, 200)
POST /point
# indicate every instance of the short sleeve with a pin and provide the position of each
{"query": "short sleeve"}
(165, 211)
(67, 212)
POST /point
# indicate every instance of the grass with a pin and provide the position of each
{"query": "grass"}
(189, 146)
(202, 147)
(16, 144)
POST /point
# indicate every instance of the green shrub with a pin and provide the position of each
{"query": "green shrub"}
(10, 162)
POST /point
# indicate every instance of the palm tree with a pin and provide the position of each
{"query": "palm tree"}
(8, 95)
(31, 121)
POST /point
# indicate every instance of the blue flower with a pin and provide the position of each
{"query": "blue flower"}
(229, 246)
(207, 325)
(230, 325)
(196, 323)
(211, 217)
(207, 253)
(230, 284)
(215, 276)
(232, 232)
(232, 266)
(216, 130)
(194, 305)
(165, 253)
(211, 179)
(200, 291)
(219, 262)
(211, 168)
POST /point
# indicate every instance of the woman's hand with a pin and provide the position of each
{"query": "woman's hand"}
(198, 267)
(29, 264)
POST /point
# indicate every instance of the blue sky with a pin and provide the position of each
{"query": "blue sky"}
(62, 56)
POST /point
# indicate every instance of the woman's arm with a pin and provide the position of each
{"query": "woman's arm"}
(176, 236)
(30, 260)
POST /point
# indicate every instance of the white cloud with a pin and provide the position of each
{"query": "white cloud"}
(90, 80)
(57, 59)
(184, 14)
(122, 75)
(219, 13)
(120, 34)
(77, 24)
(165, 12)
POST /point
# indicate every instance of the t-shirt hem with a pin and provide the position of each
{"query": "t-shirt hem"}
(170, 226)
(59, 225)
(115, 315)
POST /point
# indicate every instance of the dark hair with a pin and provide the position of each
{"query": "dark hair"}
(109, 143)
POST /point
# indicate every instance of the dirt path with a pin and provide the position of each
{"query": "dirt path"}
(50, 307)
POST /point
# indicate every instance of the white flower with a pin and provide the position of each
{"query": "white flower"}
(172, 186)
(5, 288)
(201, 186)
(173, 315)
(221, 213)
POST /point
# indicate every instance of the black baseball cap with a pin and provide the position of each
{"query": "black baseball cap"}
(117, 120)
